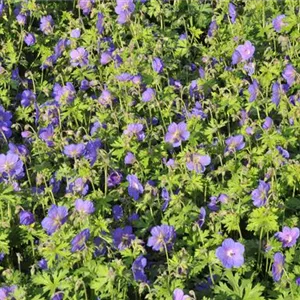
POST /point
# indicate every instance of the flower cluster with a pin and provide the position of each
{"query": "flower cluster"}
(149, 149)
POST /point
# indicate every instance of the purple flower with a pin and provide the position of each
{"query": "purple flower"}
(138, 269)
(6, 292)
(243, 53)
(11, 166)
(244, 117)
(133, 217)
(74, 150)
(175, 83)
(177, 133)
(84, 85)
(46, 24)
(84, 207)
(277, 91)
(288, 236)
(43, 264)
(57, 216)
(26, 217)
(21, 19)
(246, 51)
(79, 57)
(75, 33)
(298, 281)
(136, 79)
(148, 95)
(166, 197)
(205, 285)
(105, 98)
(223, 198)
(267, 124)
(79, 186)
(183, 36)
(234, 143)
(60, 47)
(64, 94)
(278, 23)
(194, 89)
(91, 150)
(134, 187)
(123, 237)
(124, 9)
(100, 246)
(231, 253)
(117, 211)
(46, 134)
(283, 152)
(129, 158)
(27, 98)
(260, 195)
(106, 57)
(135, 129)
(170, 163)
(178, 294)
(58, 296)
(114, 178)
(2, 8)
(50, 60)
(294, 98)
(86, 6)
(201, 218)
(289, 74)
(157, 65)
(118, 61)
(212, 205)
(99, 24)
(253, 90)
(124, 77)
(277, 267)
(198, 162)
(236, 58)
(211, 29)
(29, 39)
(162, 236)
(15, 74)
(232, 12)
(5, 123)
(197, 111)
(249, 68)
(78, 242)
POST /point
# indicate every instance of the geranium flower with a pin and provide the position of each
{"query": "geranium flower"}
(231, 253)
(162, 236)
(277, 267)
(57, 216)
(288, 236)
(177, 133)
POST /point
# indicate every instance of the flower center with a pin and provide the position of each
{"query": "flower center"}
(177, 134)
(230, 253)
(232, 146)
(125, 6)
(289, 238)
(8, 166)
(74, 153)
(160, 238)
(135, 185)
(57, 221)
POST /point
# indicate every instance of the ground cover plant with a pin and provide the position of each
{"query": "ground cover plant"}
(149, 149)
